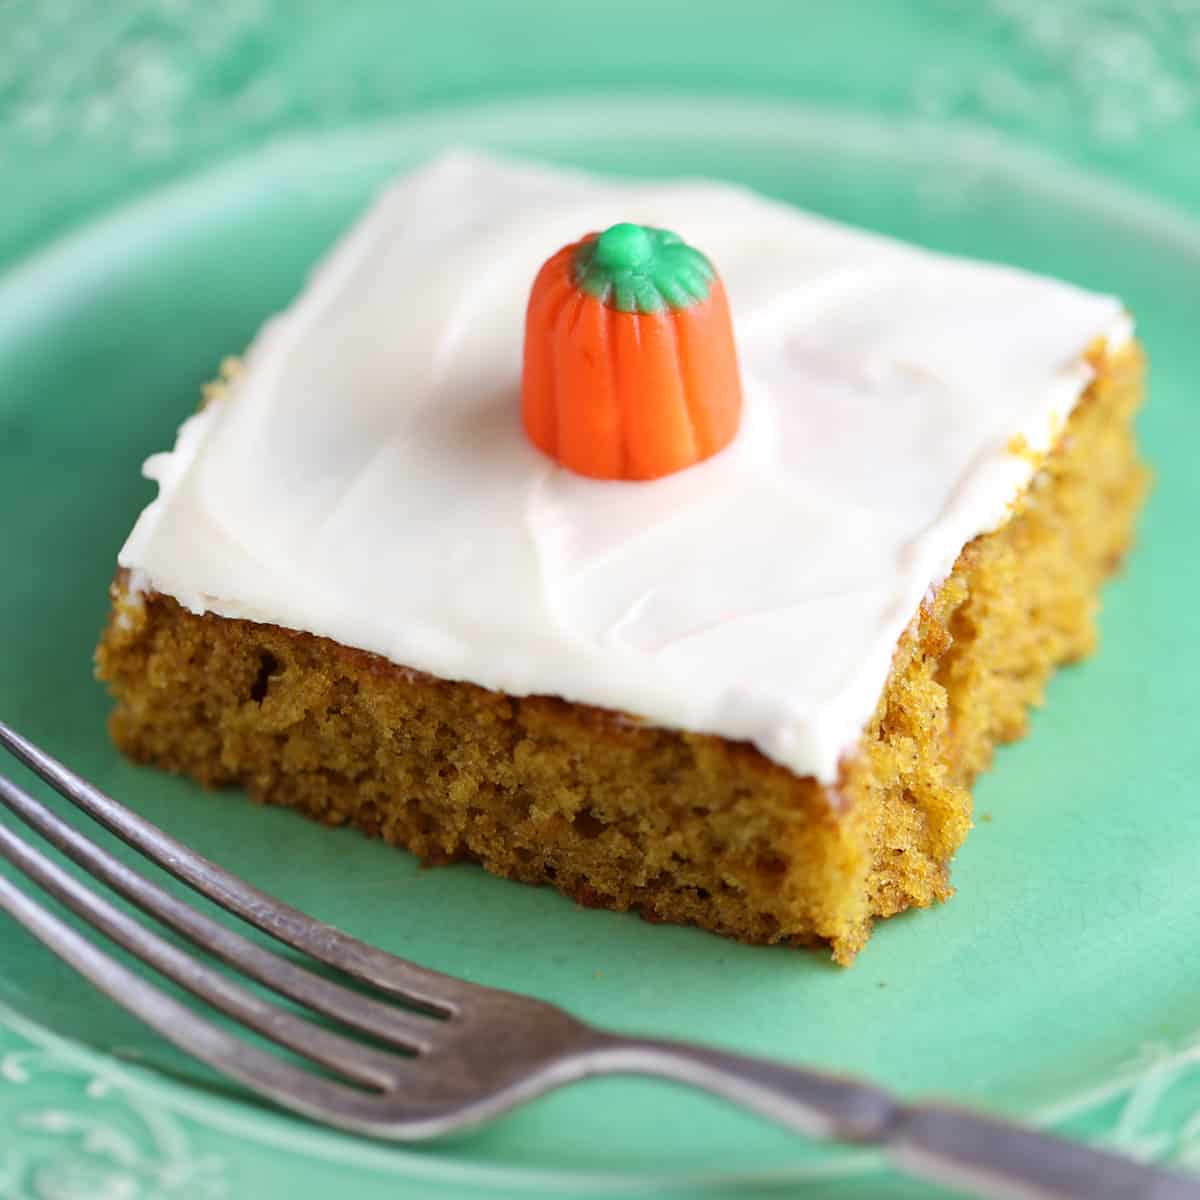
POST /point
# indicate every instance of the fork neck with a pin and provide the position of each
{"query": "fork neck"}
(809, 1102)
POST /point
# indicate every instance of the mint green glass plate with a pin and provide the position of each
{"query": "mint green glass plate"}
(1060, 985)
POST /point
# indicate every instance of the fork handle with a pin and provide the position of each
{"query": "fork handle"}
(946, 1145)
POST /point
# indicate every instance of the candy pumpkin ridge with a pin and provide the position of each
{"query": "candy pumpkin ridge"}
(630, 365)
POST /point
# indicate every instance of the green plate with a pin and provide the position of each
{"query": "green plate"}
(1060, 985)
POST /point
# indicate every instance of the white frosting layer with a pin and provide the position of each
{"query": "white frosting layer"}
(367, 477)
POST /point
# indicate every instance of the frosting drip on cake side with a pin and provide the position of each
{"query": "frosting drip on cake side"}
(367, 478)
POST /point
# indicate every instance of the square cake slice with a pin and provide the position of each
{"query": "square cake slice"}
(751, 693)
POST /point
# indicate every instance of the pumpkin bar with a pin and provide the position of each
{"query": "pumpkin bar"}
(655, 541)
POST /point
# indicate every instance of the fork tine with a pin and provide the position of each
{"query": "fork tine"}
(442, 994)
(264, 1073)
(368, 1067)
(371, 1016)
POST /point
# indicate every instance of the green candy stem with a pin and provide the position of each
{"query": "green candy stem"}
(637, 268)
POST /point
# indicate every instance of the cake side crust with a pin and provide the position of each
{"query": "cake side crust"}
(680, 826)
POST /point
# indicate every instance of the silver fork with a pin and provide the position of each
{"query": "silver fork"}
(463, 1053)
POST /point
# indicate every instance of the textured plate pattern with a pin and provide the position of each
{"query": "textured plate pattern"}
(1060, 984)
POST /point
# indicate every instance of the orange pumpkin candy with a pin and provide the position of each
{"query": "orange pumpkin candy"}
(630, 367)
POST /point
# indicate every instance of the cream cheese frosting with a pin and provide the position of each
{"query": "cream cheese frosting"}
(366, 476)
